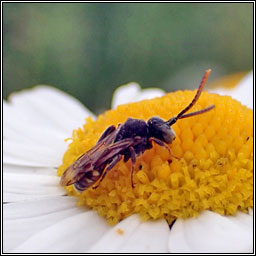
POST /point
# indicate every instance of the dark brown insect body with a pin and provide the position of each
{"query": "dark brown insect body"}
(128, 140)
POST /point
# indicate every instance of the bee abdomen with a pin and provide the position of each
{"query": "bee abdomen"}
(83, 184)
(87, 181)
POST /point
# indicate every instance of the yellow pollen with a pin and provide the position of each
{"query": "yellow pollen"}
(120, 231)
(213, 169)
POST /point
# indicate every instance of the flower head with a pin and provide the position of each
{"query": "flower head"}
(213, 168)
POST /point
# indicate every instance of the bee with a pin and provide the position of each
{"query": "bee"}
(128, 141)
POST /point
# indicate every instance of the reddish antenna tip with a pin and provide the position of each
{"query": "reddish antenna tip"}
(199, 90)
(207, 72)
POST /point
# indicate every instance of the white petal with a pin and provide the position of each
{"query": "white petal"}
(34, 154)
(30, 150)
(243, 92)
(19, 186)
(26, 183)
(24, 220)
(212, 233)
(14, 197)
(149, 93)
(132, 235)
(36, 122)
(30, 209)
(74, 234)
(20, 130)
(50, 104)
(29, 170)
(125, 94)
(132, 93)
(13, 160)
(18, 121)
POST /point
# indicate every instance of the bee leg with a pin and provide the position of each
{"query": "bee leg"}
(163, 144)
(133, 159)
(114, 161)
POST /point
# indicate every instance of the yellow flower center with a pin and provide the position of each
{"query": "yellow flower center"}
(214, 170)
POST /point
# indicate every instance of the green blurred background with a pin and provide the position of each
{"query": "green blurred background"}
(89, 49)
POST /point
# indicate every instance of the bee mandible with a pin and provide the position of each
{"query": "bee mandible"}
(128, 141)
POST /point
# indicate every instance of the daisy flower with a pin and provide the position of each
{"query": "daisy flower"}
(192, 205)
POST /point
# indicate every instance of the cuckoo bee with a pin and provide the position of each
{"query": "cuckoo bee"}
(128, 141)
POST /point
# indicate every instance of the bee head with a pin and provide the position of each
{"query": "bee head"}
(160, 129)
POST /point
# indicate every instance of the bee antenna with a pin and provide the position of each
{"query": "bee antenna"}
(199, 112)
(173, 120)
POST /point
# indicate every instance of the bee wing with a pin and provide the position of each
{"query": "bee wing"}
(103, 151)
(114, 149)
